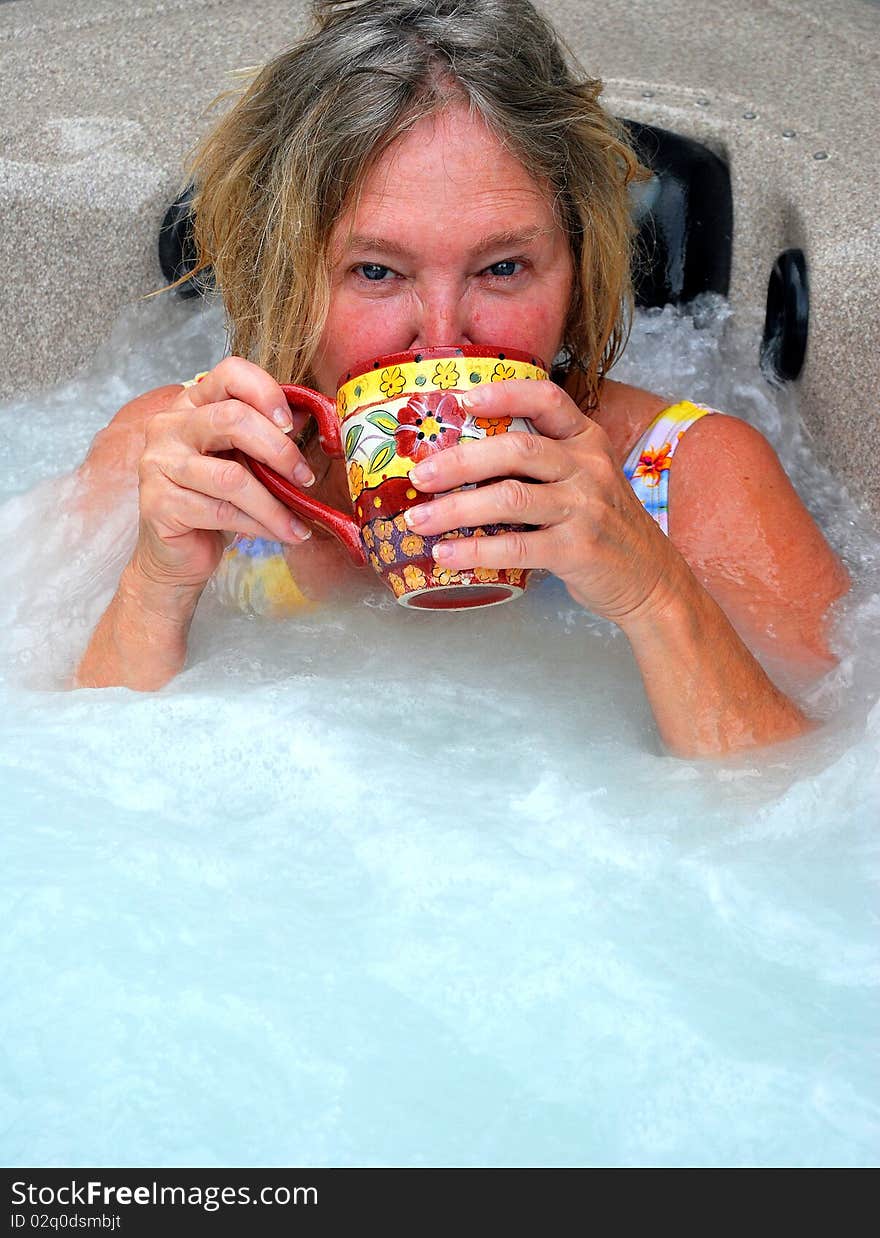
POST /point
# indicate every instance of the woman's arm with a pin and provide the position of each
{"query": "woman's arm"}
(141, 638)
(190, 495)
(708, 693)
(752, 557)
(750, 541)
(744, 559)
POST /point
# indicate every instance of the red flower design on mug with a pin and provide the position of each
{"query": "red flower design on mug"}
(430, 421)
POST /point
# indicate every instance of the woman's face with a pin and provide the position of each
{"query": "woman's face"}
(452, 242)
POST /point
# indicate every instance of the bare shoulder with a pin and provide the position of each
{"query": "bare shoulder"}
(145, 405)
(747, 535)
(119, 445)
(723, 469)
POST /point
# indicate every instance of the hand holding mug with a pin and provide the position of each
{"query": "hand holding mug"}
(191, 488)
(390, 414)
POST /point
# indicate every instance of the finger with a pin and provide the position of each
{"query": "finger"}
(511, 549)
(228, 482)
(543, 402)
(237, 379)
(515, 453)
(230, 425)
(510, 501)
(198, 511)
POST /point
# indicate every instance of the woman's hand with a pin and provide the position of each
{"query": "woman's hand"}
(191, 490)
(708, 694)
(592, 531)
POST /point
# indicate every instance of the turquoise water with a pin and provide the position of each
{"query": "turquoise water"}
(375, 888)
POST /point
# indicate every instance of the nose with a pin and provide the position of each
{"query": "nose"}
(442, 318)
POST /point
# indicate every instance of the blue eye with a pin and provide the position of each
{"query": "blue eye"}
(504, 269)
(373, 271)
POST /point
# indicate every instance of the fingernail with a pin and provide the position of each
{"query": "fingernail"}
(303, 474)
(300, 531)
(417, 516)
(423, 472)
(442, 551)
(282, 419)
(474, 398)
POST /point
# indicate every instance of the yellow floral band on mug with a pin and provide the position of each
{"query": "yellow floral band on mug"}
(389, 414)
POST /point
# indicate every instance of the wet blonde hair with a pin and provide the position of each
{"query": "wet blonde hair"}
(275, 174)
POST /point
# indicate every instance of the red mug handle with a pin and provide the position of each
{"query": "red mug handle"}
(343, 527)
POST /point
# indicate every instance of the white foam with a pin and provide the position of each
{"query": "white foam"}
(369, 887)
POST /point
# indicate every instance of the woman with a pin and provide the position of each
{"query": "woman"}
(417, 174)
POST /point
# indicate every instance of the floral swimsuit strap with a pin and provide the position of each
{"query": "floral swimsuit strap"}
(646, 468)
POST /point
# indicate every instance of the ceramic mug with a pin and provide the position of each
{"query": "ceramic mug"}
(389, 414)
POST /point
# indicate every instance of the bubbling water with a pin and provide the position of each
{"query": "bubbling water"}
(370, 887)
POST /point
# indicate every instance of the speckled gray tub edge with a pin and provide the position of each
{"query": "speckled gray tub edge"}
(105, 97)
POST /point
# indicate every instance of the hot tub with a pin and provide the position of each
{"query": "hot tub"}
(362, 889)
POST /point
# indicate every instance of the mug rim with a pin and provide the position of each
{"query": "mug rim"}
(431, 354)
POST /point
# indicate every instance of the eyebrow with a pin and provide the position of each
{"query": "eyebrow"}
(497, 240)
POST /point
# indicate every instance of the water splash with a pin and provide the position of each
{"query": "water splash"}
(374, 888)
